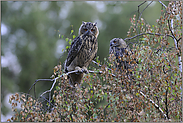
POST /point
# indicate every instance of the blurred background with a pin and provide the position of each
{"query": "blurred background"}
(30, 42)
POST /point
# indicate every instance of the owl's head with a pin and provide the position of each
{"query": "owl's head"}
(118, 42)
(88, 28)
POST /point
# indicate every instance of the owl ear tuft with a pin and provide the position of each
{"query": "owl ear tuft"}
(95, 23)
(83, 22)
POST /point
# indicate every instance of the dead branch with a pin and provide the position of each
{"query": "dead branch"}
(176, 41)
(35, 85)
(146, 34)
(139, 6)
(99, 64)
(66, 74)
(143, 9)
(156, 106)
(166, 102)
(172, 31)
(162, 4)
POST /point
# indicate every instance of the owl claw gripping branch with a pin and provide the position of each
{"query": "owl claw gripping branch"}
(82, 51)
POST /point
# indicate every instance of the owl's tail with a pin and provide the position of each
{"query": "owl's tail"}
(75, 79)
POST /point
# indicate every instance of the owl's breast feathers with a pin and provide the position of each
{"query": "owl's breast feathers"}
(88, 50)
(83, 50)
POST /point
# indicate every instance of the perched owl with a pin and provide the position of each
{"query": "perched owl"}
(119, 48)
(122, 52)
(82, 51)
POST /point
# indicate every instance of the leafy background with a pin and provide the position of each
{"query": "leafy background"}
(30, 42)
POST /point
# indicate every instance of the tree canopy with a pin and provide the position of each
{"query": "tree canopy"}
(36, 34)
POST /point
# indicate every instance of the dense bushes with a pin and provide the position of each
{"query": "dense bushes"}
(151, 93)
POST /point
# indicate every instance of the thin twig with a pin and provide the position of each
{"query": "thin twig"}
(141, 15)
(162, 4)
(99, 64)
(35, 84)
(146, 34)
(138, 8)
(166, 102)
(51, 87)
(144, 10)
(100, 72)
(156, 106)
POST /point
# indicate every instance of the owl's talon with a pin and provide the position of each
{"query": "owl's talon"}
(85, 71)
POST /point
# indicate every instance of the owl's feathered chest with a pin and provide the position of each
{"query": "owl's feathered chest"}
(89, 44)
(87, 51)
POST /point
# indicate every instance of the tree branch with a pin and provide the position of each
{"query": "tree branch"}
(176, 43)
(99, 64)
(143, 9)
(166, 102)
(156, 106)
(35, 85)
(162, 4)
(146, 34)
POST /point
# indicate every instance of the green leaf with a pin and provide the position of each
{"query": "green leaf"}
(70, 42)
(73, 36)
(67, 47)
(169, 88)
(57, 88)
(137, 94)
(66, 39)
(72, 31)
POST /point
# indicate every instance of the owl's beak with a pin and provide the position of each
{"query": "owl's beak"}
(112, 44)
(88, 32)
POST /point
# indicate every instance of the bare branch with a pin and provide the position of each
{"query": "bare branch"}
(143, 10)
(176, 43)
(139, 6)
(146, 34)
(75, 71)
(99, 64)
(51, 87)
(156, 106)
(35, 84)
(166, 102)
(172, 30)
(162, 4)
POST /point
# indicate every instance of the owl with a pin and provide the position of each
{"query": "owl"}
(119, 48)
(82, 51)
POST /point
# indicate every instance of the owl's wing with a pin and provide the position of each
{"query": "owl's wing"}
(74, 49)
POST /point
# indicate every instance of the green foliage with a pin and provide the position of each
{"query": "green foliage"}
(150, 93)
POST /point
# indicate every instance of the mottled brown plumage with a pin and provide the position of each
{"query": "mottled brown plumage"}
(82, 51)
(119, 48)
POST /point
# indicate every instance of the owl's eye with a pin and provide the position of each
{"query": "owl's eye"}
(92, 30)
(114, 41)
(85, 29)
